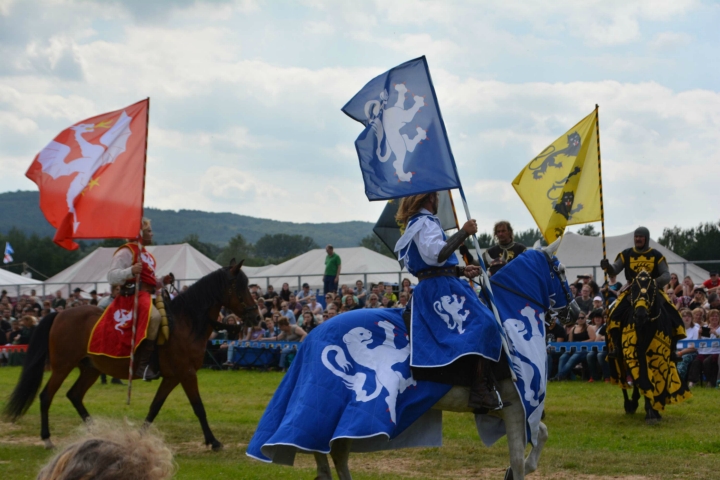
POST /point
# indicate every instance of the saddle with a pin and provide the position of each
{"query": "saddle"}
(461, 372)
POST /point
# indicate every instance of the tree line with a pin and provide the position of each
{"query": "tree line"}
(46, 259)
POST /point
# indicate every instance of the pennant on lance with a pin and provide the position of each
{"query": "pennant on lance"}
(91, 176)
(403, 149)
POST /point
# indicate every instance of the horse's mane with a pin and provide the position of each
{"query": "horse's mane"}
(526, 261)
(192, 305)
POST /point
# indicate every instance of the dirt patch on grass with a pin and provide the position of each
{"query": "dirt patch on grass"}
(21, 440)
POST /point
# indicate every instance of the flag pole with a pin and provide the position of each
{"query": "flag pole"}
(457, 224)
(487, 287)
(602, 206)
(137, 277)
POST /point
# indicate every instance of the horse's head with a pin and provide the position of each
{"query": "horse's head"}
(238, 298)
(562, 303)
(642, 296)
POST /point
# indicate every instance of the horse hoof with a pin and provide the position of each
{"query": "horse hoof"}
(652, 421)
(508, 474)
(48, 444)
(216, 446)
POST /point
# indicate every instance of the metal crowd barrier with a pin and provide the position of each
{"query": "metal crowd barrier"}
(600, 346)
(257, 344)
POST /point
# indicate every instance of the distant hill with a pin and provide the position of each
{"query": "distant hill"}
(21, 210)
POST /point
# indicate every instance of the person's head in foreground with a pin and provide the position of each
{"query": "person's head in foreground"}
(112, 452)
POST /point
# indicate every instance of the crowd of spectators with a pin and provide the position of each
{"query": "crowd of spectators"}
(288, 316)
(699, 307)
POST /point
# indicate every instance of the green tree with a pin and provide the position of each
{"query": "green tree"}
(210, 250)
(372, 242)
(529, 237)
(239, 249)
(40, 253)
(699, 243)
(589, 231)
(280, 246)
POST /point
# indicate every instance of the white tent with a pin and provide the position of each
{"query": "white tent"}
(358, 263)
(90, 273)
(15, 284)
(581, 253)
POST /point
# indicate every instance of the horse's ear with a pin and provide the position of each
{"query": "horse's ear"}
(232, 263)
(538, 244)
(551, 249)
(241, 264)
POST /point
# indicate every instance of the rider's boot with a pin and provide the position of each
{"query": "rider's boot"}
(484, 395)
(143, 356)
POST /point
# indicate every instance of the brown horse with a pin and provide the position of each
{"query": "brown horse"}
(64, 337)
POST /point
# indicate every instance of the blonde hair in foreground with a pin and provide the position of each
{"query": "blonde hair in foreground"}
(112, 451)
(409, 206)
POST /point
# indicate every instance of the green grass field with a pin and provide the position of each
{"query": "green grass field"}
(590, 436)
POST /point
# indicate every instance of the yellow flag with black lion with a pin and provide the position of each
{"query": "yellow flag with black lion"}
(561, 185)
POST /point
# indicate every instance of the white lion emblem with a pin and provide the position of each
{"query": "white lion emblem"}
(449, 310)
(122, 317)
(380, 359)
(393, 119)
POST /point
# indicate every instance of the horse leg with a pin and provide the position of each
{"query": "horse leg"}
(531, 462)
(166, 386)
(515, 430)
(323, 467)
(88, 376)
(652, 416)
(46, 397)
(340, 453)
(631, 405)
(189, 384)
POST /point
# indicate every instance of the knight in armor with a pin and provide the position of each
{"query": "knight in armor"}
(447, 320)
(128, 261)
(633, 260)
(505, 248)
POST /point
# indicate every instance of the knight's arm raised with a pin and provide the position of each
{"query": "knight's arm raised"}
(615, 268)
(452, 244)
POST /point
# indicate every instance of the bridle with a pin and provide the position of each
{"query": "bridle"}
(644, 296)
(249, 313)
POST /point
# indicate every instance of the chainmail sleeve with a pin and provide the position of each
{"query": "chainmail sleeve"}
(452, 244)
(616, 267)
(664, 272)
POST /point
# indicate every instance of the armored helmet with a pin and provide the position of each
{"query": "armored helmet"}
(643, 232)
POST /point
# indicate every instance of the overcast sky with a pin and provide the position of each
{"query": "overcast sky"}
(246, 96)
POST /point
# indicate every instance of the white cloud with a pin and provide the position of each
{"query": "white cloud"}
(231, 184)
(319, 28)
(668, 40)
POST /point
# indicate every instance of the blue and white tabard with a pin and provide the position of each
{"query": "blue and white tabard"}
(448, 319)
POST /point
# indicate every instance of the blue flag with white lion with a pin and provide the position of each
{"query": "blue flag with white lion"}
(403, 149)
(350, 379)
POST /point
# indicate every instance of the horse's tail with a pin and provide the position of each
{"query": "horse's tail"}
(32, 373)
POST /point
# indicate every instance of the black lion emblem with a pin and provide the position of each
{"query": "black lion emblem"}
(565, 206)
(548, 157)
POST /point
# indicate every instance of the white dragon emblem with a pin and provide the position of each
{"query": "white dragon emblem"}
(449, 310)
(388, 128)
(379, 359)
(122, 317)
(53, 157)
(149, 260)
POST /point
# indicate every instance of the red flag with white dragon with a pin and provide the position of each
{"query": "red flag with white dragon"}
(91, 176)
